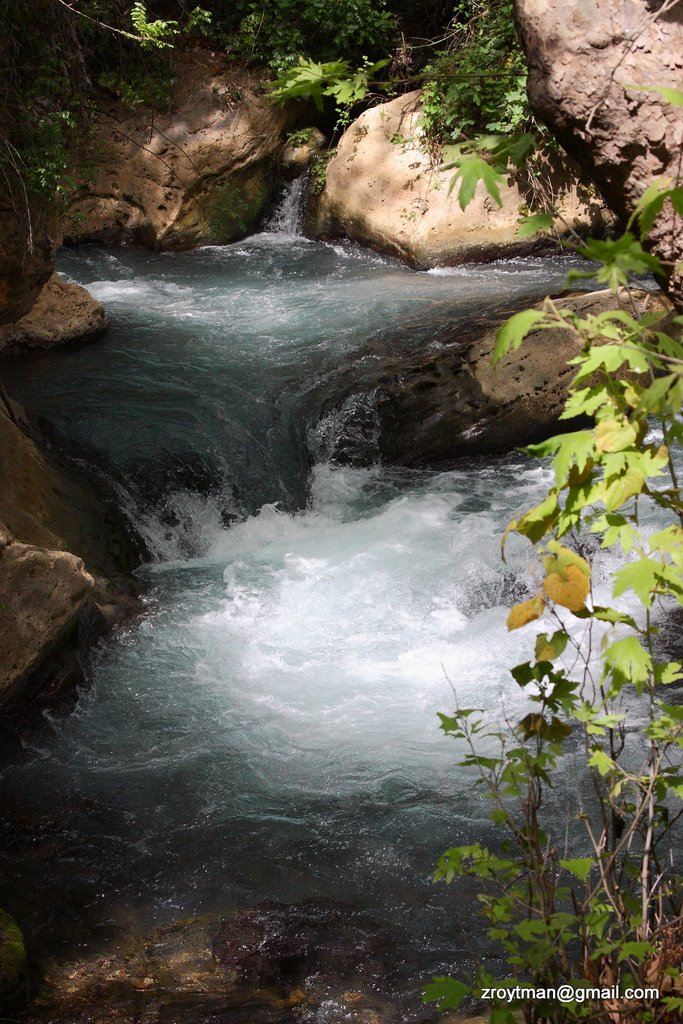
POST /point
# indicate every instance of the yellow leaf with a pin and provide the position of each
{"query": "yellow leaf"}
(525, 612)
(614, 435)
(570, 589)
(563, 557)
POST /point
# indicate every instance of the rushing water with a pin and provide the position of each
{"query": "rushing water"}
(268, 729)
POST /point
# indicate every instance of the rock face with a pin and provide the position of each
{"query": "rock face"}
(202, 173)
(52, 589)
(62, 313)
(430, 409)
(48, 602)
(390, 196)
(26, 249)
(583, 57)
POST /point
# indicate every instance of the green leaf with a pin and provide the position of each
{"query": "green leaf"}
(602, 761)
(628, 662)
(640, 577)
(447, 993)
(513, 332)
(535, 223)
(580, 867)
(471, 170)
(674, 96)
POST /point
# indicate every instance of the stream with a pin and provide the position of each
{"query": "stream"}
(267, 731)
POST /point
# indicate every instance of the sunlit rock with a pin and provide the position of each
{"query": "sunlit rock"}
(383, 190)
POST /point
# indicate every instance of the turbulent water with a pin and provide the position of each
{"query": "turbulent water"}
(268, 729)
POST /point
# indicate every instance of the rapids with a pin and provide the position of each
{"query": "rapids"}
(268, 729)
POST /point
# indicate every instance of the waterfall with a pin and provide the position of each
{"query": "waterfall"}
(287, 217)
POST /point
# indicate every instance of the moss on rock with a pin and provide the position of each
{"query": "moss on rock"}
(12, 960)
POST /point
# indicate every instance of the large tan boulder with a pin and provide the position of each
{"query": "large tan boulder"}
(63, 312)
(392, 196)
(43, 594)
(584, 58)
(199, 173)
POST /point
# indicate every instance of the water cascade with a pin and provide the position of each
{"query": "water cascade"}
(268, 729)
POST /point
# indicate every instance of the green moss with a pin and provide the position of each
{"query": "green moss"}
(231, 210)
(12, 957)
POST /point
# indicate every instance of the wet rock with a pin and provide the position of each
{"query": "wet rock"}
(433, 407)
(383, 191)
(298, 155)
(63, 312)
(268, 965)
(199, 173)
(290, 944)
(12, 964)
(584, 59)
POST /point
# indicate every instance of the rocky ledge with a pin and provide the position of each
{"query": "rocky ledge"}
(431, 406)
(200, 172)
(51, 606)
(63, 312)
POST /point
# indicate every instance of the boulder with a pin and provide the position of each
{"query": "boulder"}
(432, 407)
(199, 173)
(385, 191)
(584, 60)
(63, 312)
(43, 595)
(301, 148)
(49, 604)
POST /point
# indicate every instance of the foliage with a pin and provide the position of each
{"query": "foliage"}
(335, 79)
(478, 83)
(278, 32)
(591, 900)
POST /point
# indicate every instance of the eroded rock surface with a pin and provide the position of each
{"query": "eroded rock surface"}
(43, 596)
(63, 312)
(27, 248)
(50, 604)
(583, 59)
(428, 408)
(201, 173)
(391, 196)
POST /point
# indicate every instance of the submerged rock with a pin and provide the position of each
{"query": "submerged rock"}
(199, 173)
(384, 191)
(63, 312)
(432, 407)
(269, 965)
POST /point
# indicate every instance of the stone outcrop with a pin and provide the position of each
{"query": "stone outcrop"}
(27, 248)
(63, 312)
(390, 195)
(200, 173)
(584, 59)
(51, 591)
(49, 603)
(431, 409)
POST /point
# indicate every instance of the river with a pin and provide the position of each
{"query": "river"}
(268, 730)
